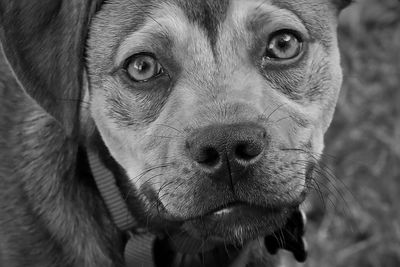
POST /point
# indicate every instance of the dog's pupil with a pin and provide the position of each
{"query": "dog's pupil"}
(143, 66)
(284, 42)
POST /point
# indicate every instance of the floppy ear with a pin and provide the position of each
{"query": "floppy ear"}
(44, 44)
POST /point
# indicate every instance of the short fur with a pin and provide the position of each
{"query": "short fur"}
(51, 213)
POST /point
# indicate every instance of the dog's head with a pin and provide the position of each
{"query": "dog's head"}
(216, 110)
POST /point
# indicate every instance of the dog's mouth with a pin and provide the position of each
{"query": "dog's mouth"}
(238, 222)
(237, 210)
(287, 233)
(233, 221)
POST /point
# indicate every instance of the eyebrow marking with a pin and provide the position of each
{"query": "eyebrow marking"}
(274, 16)
(146, 40)
(171, 24)
(260, 15)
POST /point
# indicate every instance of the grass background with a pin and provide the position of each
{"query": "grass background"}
(358, 221)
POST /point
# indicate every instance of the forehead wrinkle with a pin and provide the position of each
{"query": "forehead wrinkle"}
(171, 25)
(274, 18)
(261, 16)
(208, 15)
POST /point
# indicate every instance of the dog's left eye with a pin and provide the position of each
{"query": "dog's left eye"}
(142, 68)
(284, 45)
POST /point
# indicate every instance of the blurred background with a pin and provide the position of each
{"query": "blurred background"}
(355, 221)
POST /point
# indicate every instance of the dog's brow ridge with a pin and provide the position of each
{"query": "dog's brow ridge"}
(208, 15)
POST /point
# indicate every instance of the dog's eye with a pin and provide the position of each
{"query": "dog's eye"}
(284, 45)
(142, 68)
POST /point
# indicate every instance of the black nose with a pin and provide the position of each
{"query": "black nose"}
(227, 151)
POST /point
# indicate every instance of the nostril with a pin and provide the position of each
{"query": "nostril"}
(248, 150)
(208, 156)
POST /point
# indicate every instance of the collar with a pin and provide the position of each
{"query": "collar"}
(139, 247)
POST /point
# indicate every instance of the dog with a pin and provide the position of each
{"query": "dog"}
(210, 115)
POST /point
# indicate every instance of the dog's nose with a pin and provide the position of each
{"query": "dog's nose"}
(227, 151)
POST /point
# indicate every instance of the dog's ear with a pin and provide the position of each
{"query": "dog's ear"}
(341, 4)
(43, 42)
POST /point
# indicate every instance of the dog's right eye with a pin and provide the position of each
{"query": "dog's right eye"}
(284, 45)
(143, 67)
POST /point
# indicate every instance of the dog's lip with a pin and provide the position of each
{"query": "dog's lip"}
(232, 211)
(238, 208)
(238, 221)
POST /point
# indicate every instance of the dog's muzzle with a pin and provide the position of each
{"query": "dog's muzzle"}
(149, 250)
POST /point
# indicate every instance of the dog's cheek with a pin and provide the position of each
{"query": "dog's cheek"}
(292, 170)
(296, 140)
(313, 117)
(122, 143)
(325, 82)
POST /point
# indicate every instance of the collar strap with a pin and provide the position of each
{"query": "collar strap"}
(111, 194)
(138, 250)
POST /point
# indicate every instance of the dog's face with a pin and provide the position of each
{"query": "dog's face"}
(216, 110)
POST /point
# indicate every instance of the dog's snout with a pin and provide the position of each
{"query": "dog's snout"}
(226, 151)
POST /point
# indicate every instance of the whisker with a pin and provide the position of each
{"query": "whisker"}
(272, 113)
(324, 169)
(281, 119)
(336, 191)
(136, 179)
(163, 136)
(170, 127)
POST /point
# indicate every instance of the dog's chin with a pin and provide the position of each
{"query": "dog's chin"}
(231, 223)
(238, 223)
